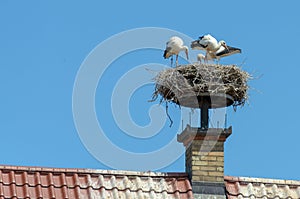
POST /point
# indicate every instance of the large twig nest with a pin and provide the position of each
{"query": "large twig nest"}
(198, 79)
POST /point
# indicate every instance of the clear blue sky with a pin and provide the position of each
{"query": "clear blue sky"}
(43, 44)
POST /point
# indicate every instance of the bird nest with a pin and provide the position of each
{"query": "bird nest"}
(198, 80)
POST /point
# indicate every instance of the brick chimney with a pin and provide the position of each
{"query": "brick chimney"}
(204, 160)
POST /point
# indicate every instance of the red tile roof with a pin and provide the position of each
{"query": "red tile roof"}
(35, 182)
(242, 187)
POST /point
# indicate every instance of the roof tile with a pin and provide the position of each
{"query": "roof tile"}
(35, 182)
(243, 187)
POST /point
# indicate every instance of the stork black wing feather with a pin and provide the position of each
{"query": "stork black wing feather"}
(229, 51)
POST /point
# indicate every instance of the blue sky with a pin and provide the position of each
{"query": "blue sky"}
(43, 45)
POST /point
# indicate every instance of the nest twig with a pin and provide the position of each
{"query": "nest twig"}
(197, 79)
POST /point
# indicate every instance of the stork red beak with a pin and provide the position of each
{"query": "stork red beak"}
(187, 54)
(225, 46)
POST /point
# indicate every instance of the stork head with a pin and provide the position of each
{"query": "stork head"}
(223, 43)
(201, 57)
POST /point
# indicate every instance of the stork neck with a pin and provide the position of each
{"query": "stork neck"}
(183, 48)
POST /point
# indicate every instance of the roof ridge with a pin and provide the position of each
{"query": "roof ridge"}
(262, 180)
(94, 171)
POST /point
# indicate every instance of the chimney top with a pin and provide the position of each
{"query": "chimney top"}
(193, 133)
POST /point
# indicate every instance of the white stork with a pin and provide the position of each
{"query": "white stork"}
(201, 57)
(208, 43)
(173, 47)
(214, 49)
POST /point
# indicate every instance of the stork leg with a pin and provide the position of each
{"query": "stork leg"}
(176, 60)
(171, 60)
(205, 58)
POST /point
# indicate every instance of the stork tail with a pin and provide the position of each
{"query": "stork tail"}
(165, 54)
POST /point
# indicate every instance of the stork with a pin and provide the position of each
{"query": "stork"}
(173, 47)
(214, 49)
(208, 43)
(201, 57)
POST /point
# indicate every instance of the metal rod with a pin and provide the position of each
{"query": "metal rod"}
(204, 114)
(225, 120)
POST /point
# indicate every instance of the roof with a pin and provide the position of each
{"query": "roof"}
(37, 182)
(41, 182)
(244, 187)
